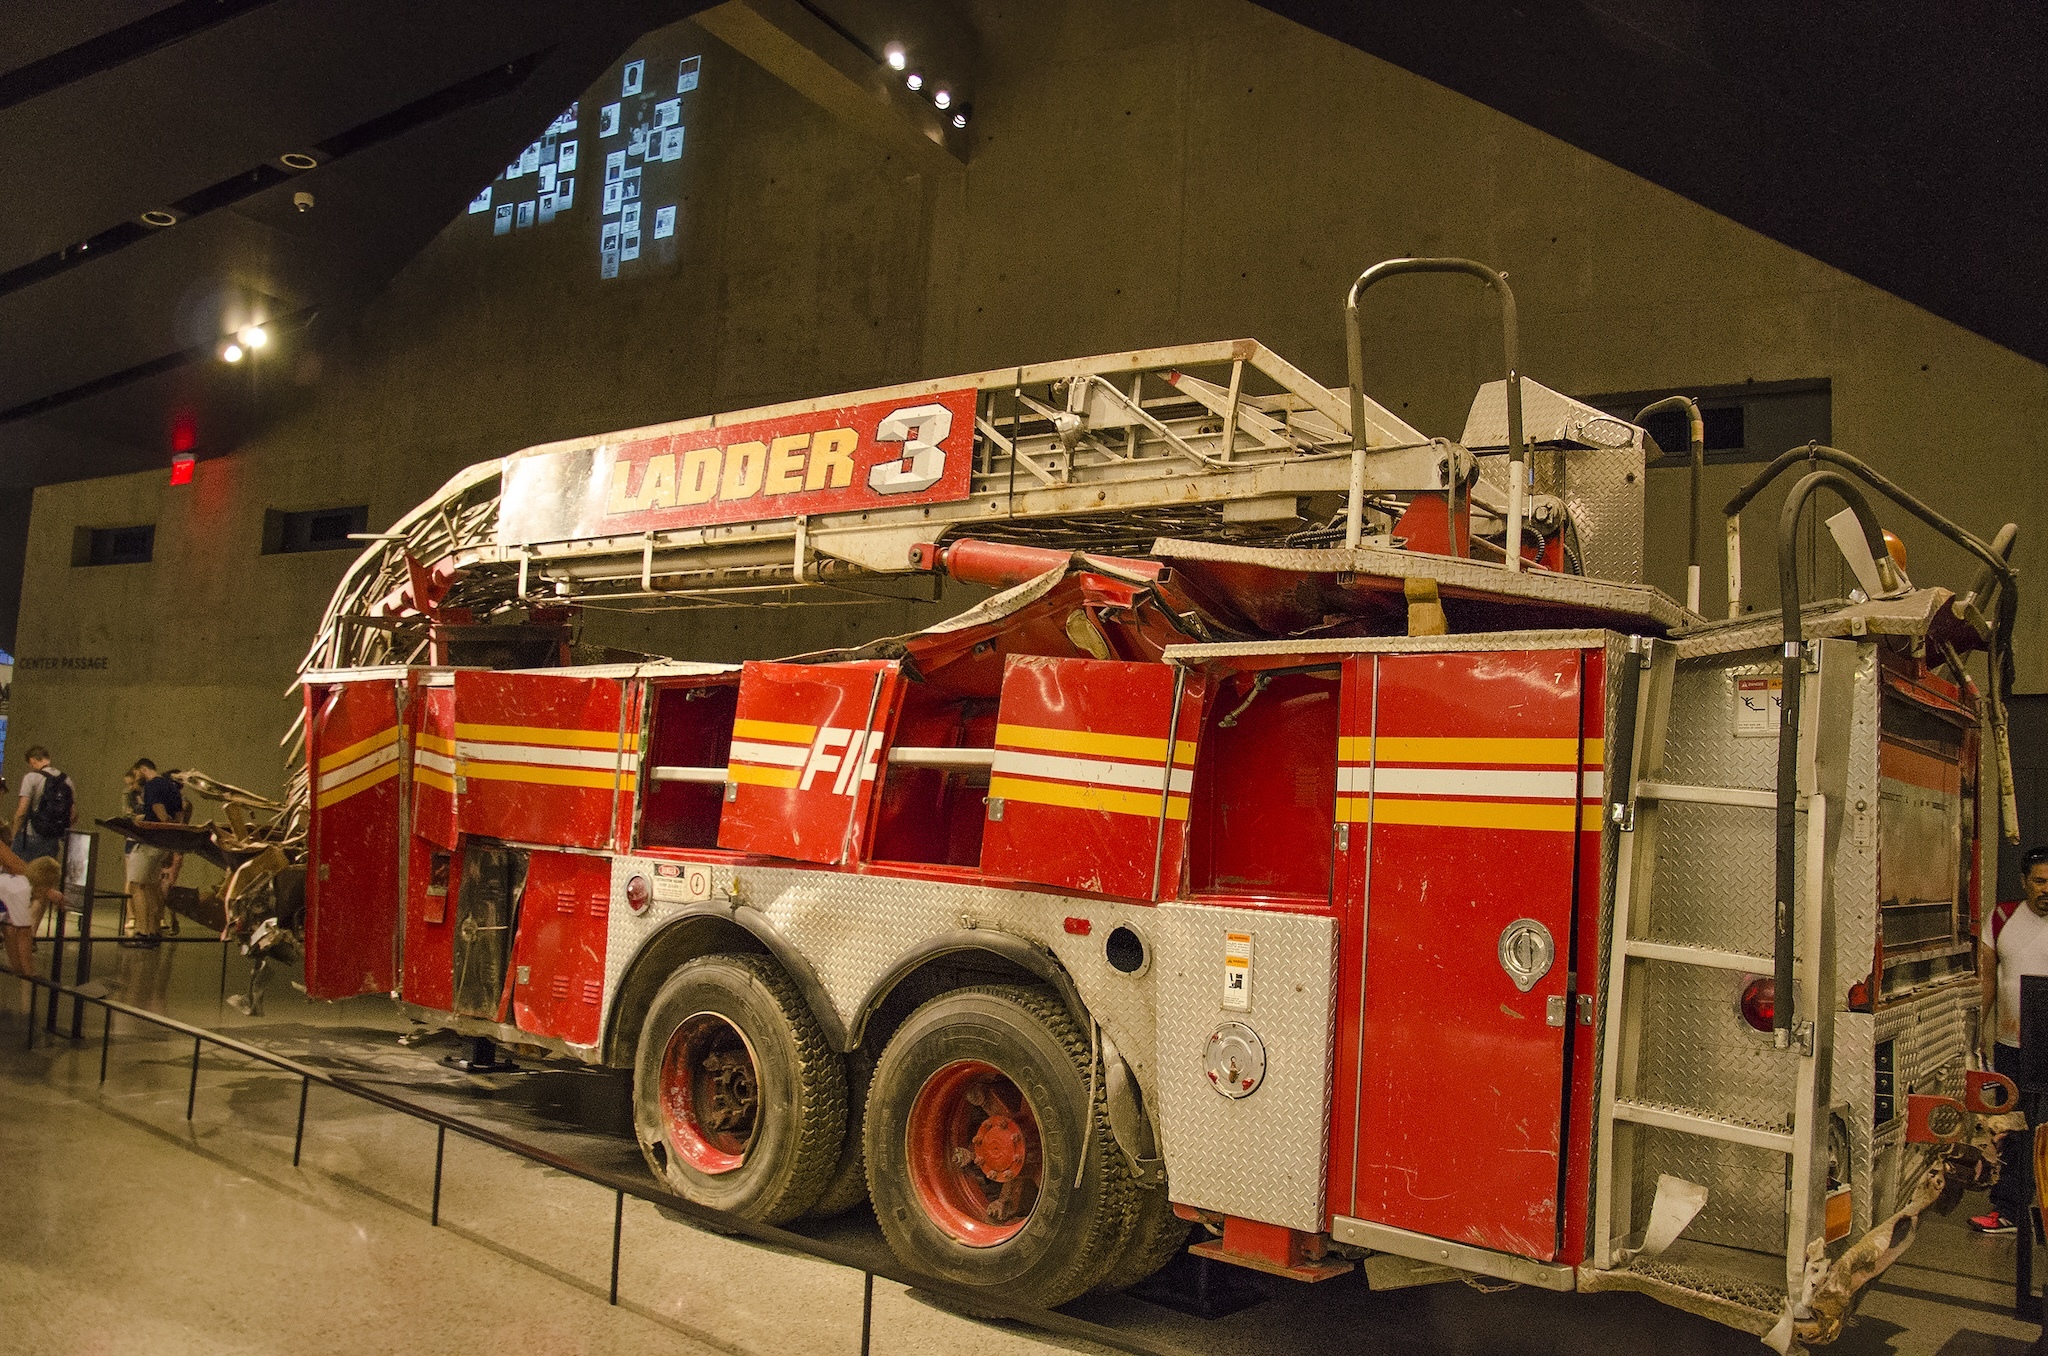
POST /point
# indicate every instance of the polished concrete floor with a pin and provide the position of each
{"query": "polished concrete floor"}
(132, 1229)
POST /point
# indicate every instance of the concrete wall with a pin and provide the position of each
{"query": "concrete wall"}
(1143, 175)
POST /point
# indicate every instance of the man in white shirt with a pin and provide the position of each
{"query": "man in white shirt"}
(2018, 945)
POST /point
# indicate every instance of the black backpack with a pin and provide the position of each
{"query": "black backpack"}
(52, 816)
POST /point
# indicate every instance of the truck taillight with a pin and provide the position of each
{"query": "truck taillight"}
(637, 894)
(1760, 1002)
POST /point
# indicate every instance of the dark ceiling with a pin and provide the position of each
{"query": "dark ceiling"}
(1895, 141)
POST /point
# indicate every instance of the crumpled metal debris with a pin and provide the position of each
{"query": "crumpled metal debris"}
(1831, 1291)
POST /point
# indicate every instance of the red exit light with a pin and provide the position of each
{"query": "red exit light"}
(181, 468)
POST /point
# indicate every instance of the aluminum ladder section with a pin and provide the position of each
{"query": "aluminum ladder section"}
(1636, 812)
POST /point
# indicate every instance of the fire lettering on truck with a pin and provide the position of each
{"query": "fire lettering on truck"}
(791, 756)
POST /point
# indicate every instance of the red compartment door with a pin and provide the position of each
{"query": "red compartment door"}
(1465, 773)
(352, 845)
(806, 750)
(558, 952)
(433, 765)
(1084, 794)
(544, 758)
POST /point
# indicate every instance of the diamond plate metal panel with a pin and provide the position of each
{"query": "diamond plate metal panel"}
(1853, 1080)
(1603, 487)
(1699, 1053)
(1701, 748)
(627, 932)
(1714, 884)
(1745, 1187)
(853, 929)
(1856, 845)
(1263, 1157)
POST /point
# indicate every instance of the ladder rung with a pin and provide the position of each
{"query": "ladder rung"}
(1703, 1124)
(1708, 795)
(1701, 955)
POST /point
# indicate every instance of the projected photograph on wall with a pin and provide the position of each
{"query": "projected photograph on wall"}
(628, 133)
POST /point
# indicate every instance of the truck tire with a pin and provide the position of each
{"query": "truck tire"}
(848, 1185)
(1156, 1235)
(738, 1102)
(977, 1125)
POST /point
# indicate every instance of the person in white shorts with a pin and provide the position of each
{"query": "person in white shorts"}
(19, 891)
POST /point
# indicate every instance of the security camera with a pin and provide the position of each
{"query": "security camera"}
(303, 201)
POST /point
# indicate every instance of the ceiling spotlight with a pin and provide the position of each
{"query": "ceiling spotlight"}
(944, 98)
(960, 115)
(231, 352)
(914, 80)
(894, 55)
(253, 336)
(159, 218)
(298, 160)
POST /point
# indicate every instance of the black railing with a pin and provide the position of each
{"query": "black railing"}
(971, 1301)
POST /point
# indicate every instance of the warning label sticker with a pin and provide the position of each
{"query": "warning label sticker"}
(1237, 971)
(1757, 703)
(682, 882)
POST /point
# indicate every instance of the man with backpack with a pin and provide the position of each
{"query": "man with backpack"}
(49, 804)
(161, 803)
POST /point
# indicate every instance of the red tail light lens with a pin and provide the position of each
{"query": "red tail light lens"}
(1760, 1002)
(637, 894)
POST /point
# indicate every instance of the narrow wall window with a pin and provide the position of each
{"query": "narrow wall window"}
(113, 545)
(325, 529)
(1752, 422)
(1745, 426)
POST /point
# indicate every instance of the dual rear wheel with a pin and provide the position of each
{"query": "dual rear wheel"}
(985, 1143)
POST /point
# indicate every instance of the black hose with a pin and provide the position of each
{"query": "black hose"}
(1998, 662)
(1956, 533)
(1696, 442)
(1791, 671)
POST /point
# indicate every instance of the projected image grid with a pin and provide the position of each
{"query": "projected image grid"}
(637, 141)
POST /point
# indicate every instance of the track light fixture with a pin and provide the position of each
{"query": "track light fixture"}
(231, 352)
(895, 56)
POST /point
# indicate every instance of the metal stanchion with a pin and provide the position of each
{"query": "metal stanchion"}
(618, 1221)
(2033, 1085)
(56, 966)
(106, 1034)
(440, 1144)
(867, 1310)
(192, 1092)
(81, 885)
(299, 1136)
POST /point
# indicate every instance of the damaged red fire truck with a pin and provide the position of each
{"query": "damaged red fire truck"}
(1321, 841)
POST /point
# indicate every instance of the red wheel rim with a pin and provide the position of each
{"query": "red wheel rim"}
(710, 1093)
(975, 1157)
